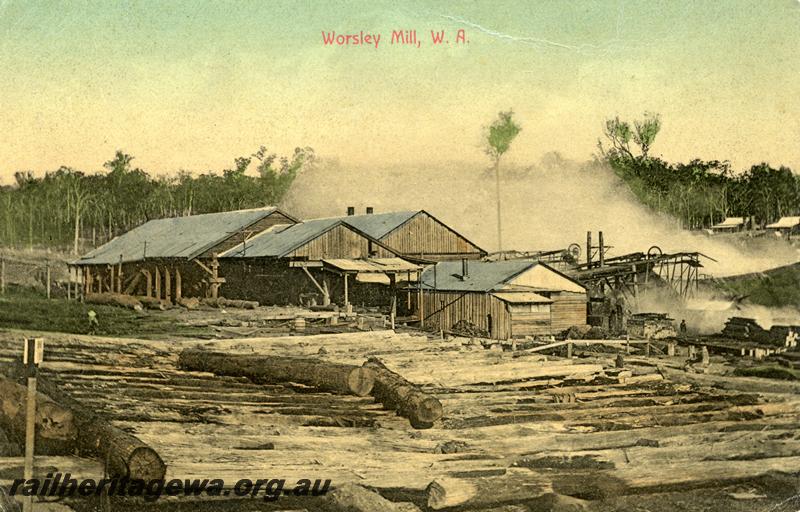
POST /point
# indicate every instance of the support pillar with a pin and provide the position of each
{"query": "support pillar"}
(178, 284)
(158, 283)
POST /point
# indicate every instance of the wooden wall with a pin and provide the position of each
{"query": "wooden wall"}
(525, 322)
(442, 310)
(568, 309)
(340, 242)
(425, 237)
(237, 238)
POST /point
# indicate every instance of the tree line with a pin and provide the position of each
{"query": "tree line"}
(699, 193)
(73, 210)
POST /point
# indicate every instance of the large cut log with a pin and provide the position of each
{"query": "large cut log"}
(222, 302)
(55, 426)
(449, 492)
(114, 299)
(124, 455)
(395, 392)
(333, 377)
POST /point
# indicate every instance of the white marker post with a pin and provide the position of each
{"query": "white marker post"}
(34, 351)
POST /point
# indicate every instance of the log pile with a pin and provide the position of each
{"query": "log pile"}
(535, 430)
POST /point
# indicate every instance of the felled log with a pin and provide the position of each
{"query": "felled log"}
(333, 377)
(449, 492)
(123, 454)
(153, 303)
(115, 299)
(55, 426)
(395, 392)
(190, 303)
(222, 302)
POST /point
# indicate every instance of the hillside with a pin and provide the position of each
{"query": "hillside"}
(777, 287)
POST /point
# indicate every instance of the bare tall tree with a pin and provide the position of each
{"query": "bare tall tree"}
(501, 134)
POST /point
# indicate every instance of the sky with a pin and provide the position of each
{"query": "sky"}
(192, 85)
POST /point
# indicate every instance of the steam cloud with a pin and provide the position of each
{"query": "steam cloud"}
(546, 206)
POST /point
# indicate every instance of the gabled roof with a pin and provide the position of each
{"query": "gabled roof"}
(729, 222)
(280, 240)
(785, 222)
(378, 225)
(498, 276)
(176, 237)
(483, 276)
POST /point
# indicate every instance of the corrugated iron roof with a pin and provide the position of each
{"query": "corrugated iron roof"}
(276, 243)
(372, 265)
(729, 222)
(522, 297)
(483, 276)
(378, 225)
(785, 222)
(175, 237)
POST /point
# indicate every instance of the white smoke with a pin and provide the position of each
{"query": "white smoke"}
(545, 206)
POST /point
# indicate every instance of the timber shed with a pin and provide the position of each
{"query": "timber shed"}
(416, 235)
(499, 299)
(173, 257)
(315, 261)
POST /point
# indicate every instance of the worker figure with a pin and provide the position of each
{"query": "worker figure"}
(93, 323)
(683, 328)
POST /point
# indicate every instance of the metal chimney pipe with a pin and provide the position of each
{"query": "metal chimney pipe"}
(602, 248)
(464, 267)
(351, 210)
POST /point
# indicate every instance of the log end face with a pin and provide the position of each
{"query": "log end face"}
(448, 492)
(144, 463)
(428, 410)
(360, 381)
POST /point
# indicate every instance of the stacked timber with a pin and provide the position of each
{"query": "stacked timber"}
(396, 393)
(333, 377)
(222, 302)
(744, 329)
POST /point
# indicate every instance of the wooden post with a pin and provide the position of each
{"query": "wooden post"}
(158, 283)
(47, 266)
(421, 305)
(346, 299)
(647, 349)
(393, 312)
(69, 283)
(2, 276)
(569, 350)
(178, 284)
(149, 286)
(214, 277)
(31, 357)
(119, 275)
(167, 285)
(112, 284)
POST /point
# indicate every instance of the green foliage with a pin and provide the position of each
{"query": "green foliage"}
(68, 208)
(23, 308)
(699, 193)
(779, 287)
(502, 133)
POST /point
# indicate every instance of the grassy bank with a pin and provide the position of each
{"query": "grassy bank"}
(25, 308)
(778, 287)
